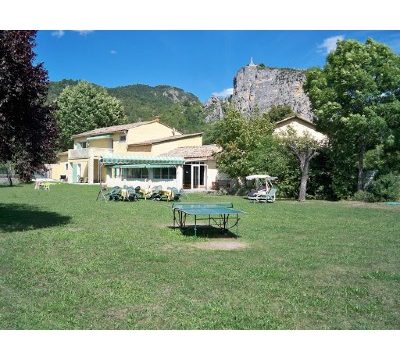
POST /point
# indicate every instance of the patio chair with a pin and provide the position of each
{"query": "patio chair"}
(156, 193)
(132, 194)
(114, 193)
(256, 195)
(254, 192)
(175, 194)
(269, 197)
(142, 193)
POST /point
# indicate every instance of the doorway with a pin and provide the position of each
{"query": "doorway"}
(194, 175)
(187, 176)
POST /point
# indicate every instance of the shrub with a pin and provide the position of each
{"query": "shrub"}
(385, 188)
(362, 195)
(222, 191)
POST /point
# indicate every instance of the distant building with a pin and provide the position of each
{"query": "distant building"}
(300, 125)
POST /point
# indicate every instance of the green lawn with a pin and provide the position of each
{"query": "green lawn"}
(69, 262)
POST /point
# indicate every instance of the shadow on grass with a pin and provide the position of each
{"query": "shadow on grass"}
(19, 217)
(205, 231)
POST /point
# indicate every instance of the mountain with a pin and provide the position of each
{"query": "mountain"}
(174, 106)
(258, 88)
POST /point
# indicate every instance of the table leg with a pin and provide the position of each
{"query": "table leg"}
(237, 225)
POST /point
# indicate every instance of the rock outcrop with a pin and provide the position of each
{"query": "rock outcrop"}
(213, 109)
(260, 87)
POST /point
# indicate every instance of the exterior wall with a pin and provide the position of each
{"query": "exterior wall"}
(150, 131)
(55, 170)
(118, 146)
(59, 168)
(84, 169)
(300, 129)
(141, 150)
(162, 148)
(101, 143)
(212, 173)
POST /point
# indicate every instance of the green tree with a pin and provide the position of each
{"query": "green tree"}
(84, 107)
(240, 138)
(304, 148)
(351, 98)
(279, 112)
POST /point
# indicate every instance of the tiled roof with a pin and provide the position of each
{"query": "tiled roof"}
(195, 152)
(115, 128)
(166, 139)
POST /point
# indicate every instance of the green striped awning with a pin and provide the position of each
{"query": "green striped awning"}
(141, 166)
(113, 159)
(99, 137)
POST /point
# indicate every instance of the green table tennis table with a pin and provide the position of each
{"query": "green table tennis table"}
(218, 214)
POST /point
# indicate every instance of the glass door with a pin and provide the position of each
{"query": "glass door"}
(196, 176)
(187, 176)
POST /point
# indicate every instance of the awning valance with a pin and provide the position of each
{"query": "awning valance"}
(99, 137)
(141, 166)
(114, 159)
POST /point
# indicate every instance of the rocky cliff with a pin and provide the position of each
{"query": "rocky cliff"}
(260, 87)
(214, 108)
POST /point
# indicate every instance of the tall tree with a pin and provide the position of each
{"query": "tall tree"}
(351, 96)
(84, 107)
(27, 127)
(304, 148)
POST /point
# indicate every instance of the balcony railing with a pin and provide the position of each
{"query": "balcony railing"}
(87, 152)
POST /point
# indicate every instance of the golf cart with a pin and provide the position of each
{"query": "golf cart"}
(264, 190)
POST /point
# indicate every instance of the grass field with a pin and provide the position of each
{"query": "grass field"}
(69, 262)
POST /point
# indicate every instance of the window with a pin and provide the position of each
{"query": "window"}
(122, 138)
(83, 144)
(164, 173)
(66, 166)
(141, 173)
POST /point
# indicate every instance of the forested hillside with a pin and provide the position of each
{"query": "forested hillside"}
(174, 106)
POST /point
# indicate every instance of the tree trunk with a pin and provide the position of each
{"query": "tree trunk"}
(9, 175)
(360, 182)
(304, 166)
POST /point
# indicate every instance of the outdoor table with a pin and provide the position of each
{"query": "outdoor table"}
(219, 214)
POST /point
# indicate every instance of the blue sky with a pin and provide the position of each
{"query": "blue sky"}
(201, 62)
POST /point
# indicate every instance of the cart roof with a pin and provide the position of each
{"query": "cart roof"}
(267, 177)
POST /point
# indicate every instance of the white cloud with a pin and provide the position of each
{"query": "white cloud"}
(224, 93)
(329, 44)
(113, 52)
(84, 32)
(58, 33)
